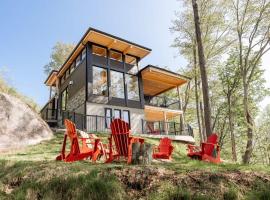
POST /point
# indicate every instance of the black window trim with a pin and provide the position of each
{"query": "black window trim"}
(107, 71)
(66, 98)
(116, 109)
(128, 116)
(110, 84)
(110, 110)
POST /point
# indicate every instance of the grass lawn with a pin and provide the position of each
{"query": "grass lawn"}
(33, 173)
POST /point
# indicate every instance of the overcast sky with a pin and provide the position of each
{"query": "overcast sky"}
(29, 30)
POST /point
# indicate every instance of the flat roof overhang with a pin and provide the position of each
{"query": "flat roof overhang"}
(106, 40)
(157, 80)
(51, 80)
(158, 113)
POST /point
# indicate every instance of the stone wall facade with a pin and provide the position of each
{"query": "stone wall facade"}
(76, 102)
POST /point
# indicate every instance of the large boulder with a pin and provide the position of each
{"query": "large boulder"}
(20, 125)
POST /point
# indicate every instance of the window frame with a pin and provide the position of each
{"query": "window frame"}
(138, 87)
(128, 117)
(117, 52)
(83, 54)
(100, 47)
(107, 83)
(66, 99)
(106, 118)
(120, 113)
(111, 85)
(79, 61)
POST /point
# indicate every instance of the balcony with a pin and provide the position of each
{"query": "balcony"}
(163, 102)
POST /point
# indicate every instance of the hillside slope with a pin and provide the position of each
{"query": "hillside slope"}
(33, 173)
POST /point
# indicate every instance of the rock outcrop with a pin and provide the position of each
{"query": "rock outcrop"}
(20, 125)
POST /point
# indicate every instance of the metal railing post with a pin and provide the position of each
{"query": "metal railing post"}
(96, 123)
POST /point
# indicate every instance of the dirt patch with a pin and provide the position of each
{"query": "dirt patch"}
(141, 181)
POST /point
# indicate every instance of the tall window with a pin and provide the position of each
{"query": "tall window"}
(117, 85)
(117, 113)
(108, 117)
(132, 87)
(100, 81)
(126, 116)
(64, 98)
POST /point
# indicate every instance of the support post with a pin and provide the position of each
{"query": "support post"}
(182, 121)
(165, 123)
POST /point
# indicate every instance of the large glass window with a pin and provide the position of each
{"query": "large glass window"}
(100, 81)
(116, 56)
(126, 116)
(117, 85)
(99, 51)
(132, 87)
(108, 117)
(64, 98)
(117, 114)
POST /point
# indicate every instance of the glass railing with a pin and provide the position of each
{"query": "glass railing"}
(163, 101)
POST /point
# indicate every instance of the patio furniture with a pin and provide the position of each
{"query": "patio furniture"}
(120, 141)
(208, 151)
(164, 149)
(76, 152)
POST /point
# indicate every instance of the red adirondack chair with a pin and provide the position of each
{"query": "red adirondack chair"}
(208, 151)
(120, 141)
(77, 153)
(164, 149)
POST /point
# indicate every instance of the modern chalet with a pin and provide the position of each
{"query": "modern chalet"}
(102, 80)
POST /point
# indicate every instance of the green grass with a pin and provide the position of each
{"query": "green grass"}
(33, 173)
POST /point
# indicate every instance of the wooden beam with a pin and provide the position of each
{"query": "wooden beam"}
(127, 49)
(111, 44)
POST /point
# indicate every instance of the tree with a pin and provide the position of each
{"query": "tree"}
(59, 54)
(252, 29)
(231, 79)
(205, 89)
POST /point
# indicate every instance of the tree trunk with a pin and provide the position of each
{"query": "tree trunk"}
(202, 119)
(249, 121)
(205, 89)
(197, 95)
(234, 155)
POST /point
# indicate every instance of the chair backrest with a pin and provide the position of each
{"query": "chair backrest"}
(213, 138)
(208, 148)
(71, 133)
(165, 145)
(120, 135)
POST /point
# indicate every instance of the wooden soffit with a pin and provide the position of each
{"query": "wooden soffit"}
(157, 80)
(51, 80)
(160, 114)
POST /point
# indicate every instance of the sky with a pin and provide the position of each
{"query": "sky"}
(29, 30)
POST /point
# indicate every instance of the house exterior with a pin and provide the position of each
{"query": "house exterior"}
(102, 80)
